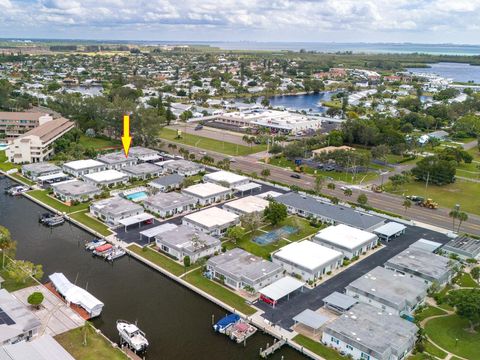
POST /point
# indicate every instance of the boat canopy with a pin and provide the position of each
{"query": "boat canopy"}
(76, 295)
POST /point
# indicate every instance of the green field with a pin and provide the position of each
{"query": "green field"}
(428, 312)
(465, 280)
(158, 259)
(211, 144)
(433, 350)
(97, 346)
(317, 347)
(197, 279)
(445, 332)
(460, 192)
(92, 223)
(99, 143)
(6, 165)
(43, 196)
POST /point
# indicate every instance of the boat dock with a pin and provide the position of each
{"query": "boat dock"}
(271, 349)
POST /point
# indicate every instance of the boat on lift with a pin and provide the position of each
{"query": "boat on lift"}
(17, 190)
(131, 335)
(94, 243)
(117, 252)
(54, 221)
(224, 323)
(102, 249)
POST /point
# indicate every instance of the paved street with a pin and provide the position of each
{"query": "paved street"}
(283, 313)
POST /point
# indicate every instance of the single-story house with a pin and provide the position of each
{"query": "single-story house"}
(185, 241)
(183, 167)
(35, 170)
(117, 160)
(246, 205)
(239, 270)
(79, 168)
(107, 177)
(348, 240)
(75, 190)
(213, 220)
(226, 178)
(142, 171)
(208, 193)
(167, 183)
(143, 154)
(169, 204)
(112, 210)
(465, 247)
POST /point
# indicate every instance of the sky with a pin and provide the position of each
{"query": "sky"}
(417, 21)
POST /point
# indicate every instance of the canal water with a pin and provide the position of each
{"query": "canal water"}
(176, 320)
(310, 102)
(456, 71)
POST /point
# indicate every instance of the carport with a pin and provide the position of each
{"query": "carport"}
(311, 319)
(339, 302)
(251, 186)
(52, 178)
(135, 219)
(281, 288)
(157, 230)
(390, 230)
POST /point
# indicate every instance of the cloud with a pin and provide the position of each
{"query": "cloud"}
(239, 17)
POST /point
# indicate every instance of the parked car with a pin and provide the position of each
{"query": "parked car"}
(295, 176)
(199, 127)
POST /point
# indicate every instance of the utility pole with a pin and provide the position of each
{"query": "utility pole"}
(426, 185)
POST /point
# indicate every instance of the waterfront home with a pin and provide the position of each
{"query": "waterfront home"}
(348, 240)
(36, 170)
(142, 171)
(182, 167)
(308, 260)
(226, 179)
(364, 333)
(246, 205)
(422, 264)
(106, 178)
(116, 160)
(143, 154)
(184, 241)
(464, 247)
(208, 193)
(167, 182)
(75, 190)
(213, 220)
(239, 270)
(17, 322)
(79, 168)
(169, 204)
(388, 290)
(112, 210)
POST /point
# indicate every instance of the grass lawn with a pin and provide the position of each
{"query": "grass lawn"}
(303, 226)
(460, 192)
(99, 143)
(10, 284)
(445, 330)
(23, 179)
(433, 350)
(428, 312)
(465, 280)
(317, 347)
(159, 259)
(263, 251)
(211, 144)
(5, 166)
(420, 356)
(236, 301)
(97, 346)
(43, 196)
(92, 223)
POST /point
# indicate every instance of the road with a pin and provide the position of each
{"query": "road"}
(384, 201)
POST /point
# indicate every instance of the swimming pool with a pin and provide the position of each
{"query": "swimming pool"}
(3, 147)
(137, 196)
(274, 235)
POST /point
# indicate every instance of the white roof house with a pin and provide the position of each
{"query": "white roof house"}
(83, 167)
(346, 239)
(212, 220)
(106, 177)
(207, 193)
(246, 205)
(307, 259)
(223, 177)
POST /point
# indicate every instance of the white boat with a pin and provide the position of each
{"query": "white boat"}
(132, 335)
(116, 253)
(92, 245)
(17, 190)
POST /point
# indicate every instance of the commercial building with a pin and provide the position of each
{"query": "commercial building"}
(246, 205)
(364, 333)
(182, 167)
(36, 144)
(167, 182)
(75, 190)
(464, 247)
(79, 168)
(107, 177)
(208, 193)
(15, 124)
(143, 170)
(389, 291)
(36, 170)
(117, 160)
(423, 264)
(169, 204)
(143, 154)
(226, 178)
(112, 210)
(307, 259)
(308, 206)
(239, 270)
(17, 323)
(213, 220)
(348, 240)
(185, 241)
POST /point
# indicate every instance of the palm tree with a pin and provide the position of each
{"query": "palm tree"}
(407, 204)
(454, 215)
(462, 216)
(6, 243)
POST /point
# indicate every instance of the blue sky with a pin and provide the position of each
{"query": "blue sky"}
(420, 21)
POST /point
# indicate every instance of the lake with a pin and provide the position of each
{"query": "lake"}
(307, 102)
(456, 71)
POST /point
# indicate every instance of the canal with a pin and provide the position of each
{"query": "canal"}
(176, 320)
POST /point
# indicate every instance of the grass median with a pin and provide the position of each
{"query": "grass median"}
(92, 223)
(42, 195)
(197, 279)
(158, 259)
(317, 347)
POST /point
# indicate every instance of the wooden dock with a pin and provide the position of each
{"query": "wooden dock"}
(271, 349)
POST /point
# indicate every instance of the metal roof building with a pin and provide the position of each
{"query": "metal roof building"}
(464, 246)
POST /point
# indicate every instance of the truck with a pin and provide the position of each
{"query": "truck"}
(421, 201)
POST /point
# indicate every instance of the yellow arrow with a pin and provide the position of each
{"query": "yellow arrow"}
(126, 138)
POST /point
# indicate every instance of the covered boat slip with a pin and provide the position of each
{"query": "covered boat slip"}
(76, 295)
(135, 219)
(311, 319)
(280, 289)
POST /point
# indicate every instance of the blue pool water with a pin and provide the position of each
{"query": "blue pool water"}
(3, 147)
(274, 235)
(137, 196)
